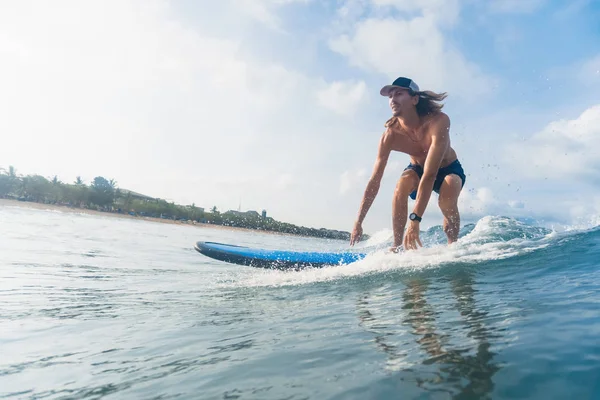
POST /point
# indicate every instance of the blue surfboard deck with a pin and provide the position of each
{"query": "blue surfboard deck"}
(274, 259)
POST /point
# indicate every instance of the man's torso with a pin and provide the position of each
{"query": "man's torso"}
(417, 145)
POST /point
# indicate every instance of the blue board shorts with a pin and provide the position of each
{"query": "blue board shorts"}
(453, 168)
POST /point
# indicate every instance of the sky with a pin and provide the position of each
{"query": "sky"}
(275, 105)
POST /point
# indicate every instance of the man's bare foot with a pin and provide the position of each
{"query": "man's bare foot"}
(395, 249)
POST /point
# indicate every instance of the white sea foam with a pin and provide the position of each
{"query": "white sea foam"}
(492, 238)
(378, 239)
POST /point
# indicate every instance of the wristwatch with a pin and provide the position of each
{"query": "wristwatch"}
(414, 217)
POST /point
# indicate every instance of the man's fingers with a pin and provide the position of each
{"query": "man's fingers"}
(410, 242)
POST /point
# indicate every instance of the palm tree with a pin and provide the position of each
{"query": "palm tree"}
(9, 182)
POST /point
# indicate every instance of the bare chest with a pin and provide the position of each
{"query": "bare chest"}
(417, 148)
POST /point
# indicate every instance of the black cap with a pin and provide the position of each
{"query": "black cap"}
(401, 82)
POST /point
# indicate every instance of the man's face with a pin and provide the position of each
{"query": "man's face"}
(400, 101)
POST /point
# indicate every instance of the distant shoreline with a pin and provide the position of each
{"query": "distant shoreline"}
(76, 210)
(103, 197)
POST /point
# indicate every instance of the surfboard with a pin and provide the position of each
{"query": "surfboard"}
(274, 259)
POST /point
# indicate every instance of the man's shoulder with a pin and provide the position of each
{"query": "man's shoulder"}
(387, 138)
(439, 118)
(390, 123)
(438, 122)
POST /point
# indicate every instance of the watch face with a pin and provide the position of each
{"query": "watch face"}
(413, 216)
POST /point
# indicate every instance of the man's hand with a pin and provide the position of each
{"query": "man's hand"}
(412, 236)
(356, 233)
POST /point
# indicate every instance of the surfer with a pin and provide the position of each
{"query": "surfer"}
(420, 129)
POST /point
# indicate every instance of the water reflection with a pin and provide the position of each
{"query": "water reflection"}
(455, 354)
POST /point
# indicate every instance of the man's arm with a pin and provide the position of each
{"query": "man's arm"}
(372, 189)
(440, 140)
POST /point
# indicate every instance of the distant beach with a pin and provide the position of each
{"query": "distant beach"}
(103, 197)
(75, 210)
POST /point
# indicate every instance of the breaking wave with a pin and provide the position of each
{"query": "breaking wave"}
(491, 238)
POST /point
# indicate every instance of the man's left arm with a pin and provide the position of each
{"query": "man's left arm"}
(440, 139)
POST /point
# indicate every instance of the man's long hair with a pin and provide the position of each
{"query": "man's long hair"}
(429, 103)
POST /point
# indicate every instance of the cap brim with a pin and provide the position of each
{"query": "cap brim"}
(385, 91)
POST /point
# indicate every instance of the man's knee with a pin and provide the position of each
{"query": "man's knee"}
(448, 205)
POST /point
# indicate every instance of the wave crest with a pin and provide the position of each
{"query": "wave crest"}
(491, 238)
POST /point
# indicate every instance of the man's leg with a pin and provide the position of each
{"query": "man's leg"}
(408, 182)
(448, 202)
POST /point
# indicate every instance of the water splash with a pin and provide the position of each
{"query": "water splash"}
(491, 238)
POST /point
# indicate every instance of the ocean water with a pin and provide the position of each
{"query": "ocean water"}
(99, 307)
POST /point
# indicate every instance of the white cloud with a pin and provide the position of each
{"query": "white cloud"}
(585, 214)
(481, 201)
(394, 169)
(264, 11)
(92, 94)
(172, 111)
(164, 109)
(478, 202)
(516, 204)
(284, 181)
(351, 180)
(343, 97)
(441, 10)
(413, 46)
(563, 149)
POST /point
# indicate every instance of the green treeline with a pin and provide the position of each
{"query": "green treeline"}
(103, 195)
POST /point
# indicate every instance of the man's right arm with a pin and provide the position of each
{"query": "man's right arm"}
(372, 189)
